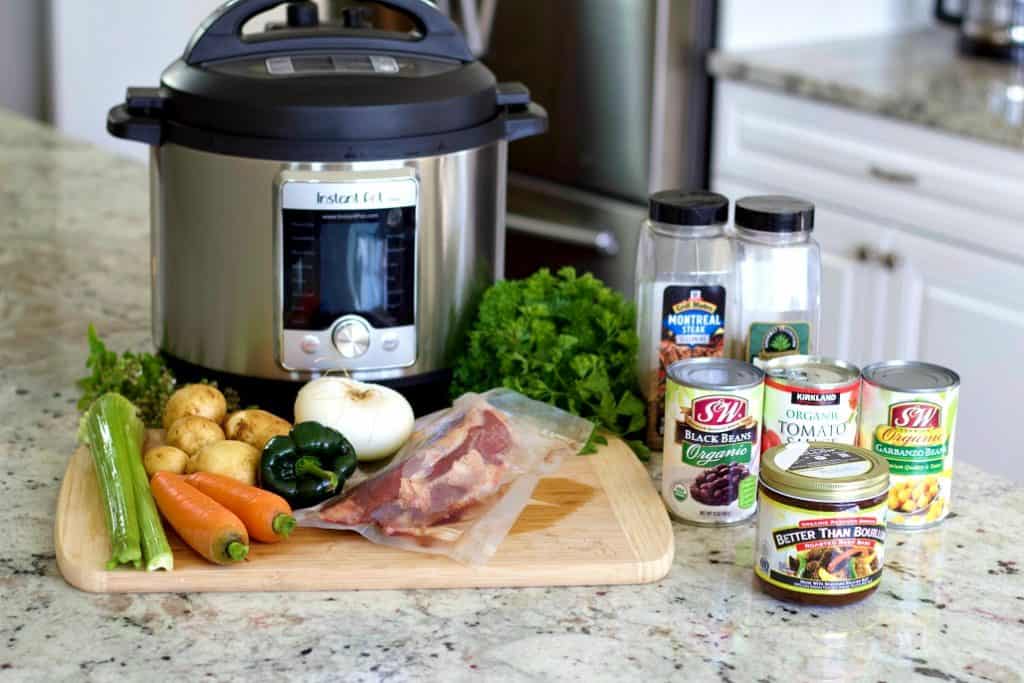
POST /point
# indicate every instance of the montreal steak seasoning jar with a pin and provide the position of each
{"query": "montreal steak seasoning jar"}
(821, 522)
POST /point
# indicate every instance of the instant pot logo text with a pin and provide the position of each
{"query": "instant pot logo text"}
(367, 198)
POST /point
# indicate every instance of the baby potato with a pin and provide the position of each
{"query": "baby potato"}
(195, 399)
(190, 433)
(165, 459)
(235, 459)
(255, 427)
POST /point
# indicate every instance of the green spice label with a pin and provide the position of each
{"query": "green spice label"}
(774, 339)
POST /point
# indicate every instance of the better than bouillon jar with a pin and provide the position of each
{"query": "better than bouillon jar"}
(821, 522)
(711, 451)
(908, 416)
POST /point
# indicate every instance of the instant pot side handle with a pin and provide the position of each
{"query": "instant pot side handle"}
(139, 118)
(220, 34)
(523, 118)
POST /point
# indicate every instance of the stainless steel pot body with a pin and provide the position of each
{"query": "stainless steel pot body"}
(217, 271)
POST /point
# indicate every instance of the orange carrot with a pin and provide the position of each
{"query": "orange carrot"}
(211, 529)
(266, 515)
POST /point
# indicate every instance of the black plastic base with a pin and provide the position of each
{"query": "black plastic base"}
(426, 393)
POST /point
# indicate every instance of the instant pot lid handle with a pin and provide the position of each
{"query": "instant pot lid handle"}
(220, 34)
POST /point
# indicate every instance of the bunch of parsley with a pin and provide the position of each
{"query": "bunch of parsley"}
(142, 378)
(564, 339)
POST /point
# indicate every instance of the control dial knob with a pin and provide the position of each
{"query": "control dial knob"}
(351, 337)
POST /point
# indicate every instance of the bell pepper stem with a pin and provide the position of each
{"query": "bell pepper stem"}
(283, 524)
(307, 464)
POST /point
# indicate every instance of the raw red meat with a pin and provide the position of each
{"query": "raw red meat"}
(437, 484)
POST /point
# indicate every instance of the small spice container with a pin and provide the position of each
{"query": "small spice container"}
(779, 268)
(821, 523)
(685, 289)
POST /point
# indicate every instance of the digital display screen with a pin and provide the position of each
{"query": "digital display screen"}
(338, 263)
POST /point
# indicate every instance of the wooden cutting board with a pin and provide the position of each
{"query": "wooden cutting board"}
(598, 520)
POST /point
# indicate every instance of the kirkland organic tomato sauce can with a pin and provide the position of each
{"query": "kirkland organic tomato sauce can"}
(712, 431)
(908, 416)
(810, 398)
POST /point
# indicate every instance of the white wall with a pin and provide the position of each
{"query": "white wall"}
(748, 24)
(100, 47)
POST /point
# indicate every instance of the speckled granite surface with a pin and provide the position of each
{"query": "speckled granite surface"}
(916, 77)
(73, 250)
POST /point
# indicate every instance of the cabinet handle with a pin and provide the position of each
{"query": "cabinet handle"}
(602, 241)
(891, 176)
(863, 253)
(890, 261)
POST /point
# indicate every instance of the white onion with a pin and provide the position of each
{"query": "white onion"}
(376, 420)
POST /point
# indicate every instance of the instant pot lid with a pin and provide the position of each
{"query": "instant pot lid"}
(321, 92)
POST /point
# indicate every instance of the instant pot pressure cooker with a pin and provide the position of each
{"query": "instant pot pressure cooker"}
(324, 197)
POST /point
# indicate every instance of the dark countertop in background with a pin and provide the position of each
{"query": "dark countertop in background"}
(916, 77)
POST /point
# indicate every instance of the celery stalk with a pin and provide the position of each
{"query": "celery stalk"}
(105, 430)
(156, 551)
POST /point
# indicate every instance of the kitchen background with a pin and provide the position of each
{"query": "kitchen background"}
(913, 155)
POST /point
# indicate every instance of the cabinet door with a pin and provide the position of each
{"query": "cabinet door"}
(964, 310)
(851, 279)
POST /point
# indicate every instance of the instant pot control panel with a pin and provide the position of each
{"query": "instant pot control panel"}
(346, 259)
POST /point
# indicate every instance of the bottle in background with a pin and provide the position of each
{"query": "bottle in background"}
(779, 270)
(685, 289)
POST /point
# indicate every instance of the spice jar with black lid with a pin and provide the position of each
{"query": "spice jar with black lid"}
(821, 522)
(685, 290)
(779, 268)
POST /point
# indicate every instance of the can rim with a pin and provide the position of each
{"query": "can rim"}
(875, 367)
(852, 371)
(673, 370)
(872, 483)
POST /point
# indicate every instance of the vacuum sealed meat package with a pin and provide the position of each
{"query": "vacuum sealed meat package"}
(461, 481)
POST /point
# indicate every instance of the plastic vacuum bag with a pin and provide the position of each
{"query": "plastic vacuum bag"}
(461, 481)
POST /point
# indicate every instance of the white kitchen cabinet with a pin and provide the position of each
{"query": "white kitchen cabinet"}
(922, 240)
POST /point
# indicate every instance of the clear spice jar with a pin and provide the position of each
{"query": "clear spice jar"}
(685, 290)
(779, 267)
(821, 522)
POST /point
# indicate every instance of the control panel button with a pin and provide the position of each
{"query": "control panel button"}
(310, 344)
(389, 342)
(351, 338)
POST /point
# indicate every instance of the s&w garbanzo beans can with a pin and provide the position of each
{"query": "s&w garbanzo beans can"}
(810, 398)
(908, 416)
(712, 433)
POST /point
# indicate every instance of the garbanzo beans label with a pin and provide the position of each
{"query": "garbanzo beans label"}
(914, 433)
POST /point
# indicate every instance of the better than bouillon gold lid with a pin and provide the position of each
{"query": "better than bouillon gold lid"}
(825, 472)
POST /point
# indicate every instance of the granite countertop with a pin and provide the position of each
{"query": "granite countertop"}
(917, 77)
(73, 246)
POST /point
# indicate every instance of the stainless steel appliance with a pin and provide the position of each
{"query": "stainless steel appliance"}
(324, 197)
(626, 89)
(988, 28)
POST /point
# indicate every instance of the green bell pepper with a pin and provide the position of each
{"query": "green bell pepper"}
(308, 466)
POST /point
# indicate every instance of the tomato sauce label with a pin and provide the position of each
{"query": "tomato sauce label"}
(797, 413)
